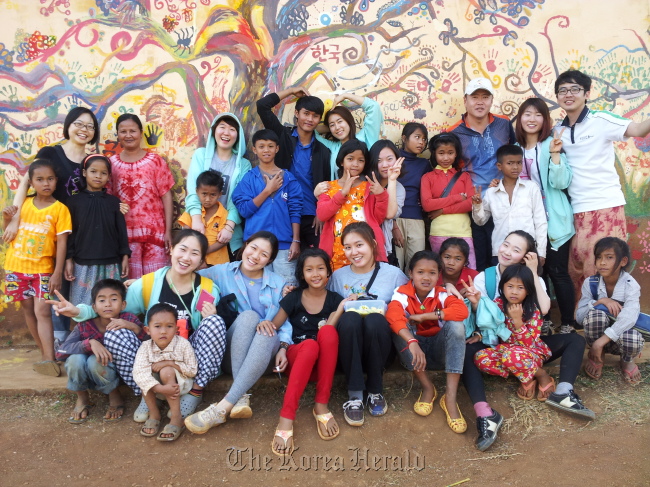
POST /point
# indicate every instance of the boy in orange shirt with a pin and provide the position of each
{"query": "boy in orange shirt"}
(209, 188)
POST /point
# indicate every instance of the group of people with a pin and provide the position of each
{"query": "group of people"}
(318, 257)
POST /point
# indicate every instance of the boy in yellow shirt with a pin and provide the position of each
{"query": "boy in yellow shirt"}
(209, 189)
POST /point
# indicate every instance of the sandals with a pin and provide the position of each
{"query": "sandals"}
(457, 425)
(527, 391)
(324, 419)
(115, 409)
(81, 409)
(544, 392)
(628, 376)
(47, 367)
(285, 435)
(425, 408)
(170, 429)
(596, 371)
(153, 424)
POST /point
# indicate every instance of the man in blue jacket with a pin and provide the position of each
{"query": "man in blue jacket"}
(482, 133)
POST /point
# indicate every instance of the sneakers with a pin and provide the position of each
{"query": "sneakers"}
(488, 427)
(547, 328)
(377, 404)
(570, 403)
(202, 421)
(353, 412)
(566, 329)
(242, 408)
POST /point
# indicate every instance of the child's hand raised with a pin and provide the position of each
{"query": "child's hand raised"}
(375, 187)
(347, 185)
(274, 183)
(494, 183)
(516, 311)
(63, 306)
(471, 293)
(476, 199)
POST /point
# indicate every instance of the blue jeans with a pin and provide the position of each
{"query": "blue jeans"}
(85, 372)
(444, 350)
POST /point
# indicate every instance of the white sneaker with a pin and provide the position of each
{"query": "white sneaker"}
(547, 328)
(202, 421)
(242, 409)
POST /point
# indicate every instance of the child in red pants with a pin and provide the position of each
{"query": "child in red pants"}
(313, 312)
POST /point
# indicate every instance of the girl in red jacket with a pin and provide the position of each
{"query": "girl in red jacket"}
(352, 198)
(446, 194)
(429, 333)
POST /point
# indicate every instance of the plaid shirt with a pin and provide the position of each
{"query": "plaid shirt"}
(79, 339)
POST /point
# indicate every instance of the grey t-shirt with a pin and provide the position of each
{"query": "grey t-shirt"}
(227, 169)
(346, 282)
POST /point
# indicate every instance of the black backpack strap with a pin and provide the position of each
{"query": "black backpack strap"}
(372, 280)
(450, 184)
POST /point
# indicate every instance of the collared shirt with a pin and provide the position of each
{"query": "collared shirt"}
(178, 351)
(626, 291)
(526, 212)
(301, 169)
(588, 145)
(212, 228)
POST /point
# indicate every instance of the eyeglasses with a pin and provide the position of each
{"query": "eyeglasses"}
(88, 126)
(574, 90)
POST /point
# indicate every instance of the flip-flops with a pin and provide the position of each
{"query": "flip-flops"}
(171, 429)
(80, 409)
(47, 367)
(544, 392)
(150, 424)
(527, 391)
(629, 374)
(596, 371)
(115, 409)
(324, 419)
(285, 435)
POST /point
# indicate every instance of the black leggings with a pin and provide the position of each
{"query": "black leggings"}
(556, 268)
(364, 346)
(569, 346)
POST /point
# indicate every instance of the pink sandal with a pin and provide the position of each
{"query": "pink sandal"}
(544, 392)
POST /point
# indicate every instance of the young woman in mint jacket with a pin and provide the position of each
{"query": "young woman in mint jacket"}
(180, 286)
(546, 165)
(224, 152)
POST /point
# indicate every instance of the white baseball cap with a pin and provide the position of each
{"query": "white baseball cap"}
(479, 84)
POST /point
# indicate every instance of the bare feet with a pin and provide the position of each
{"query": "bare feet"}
(279, 444)
(331, 429)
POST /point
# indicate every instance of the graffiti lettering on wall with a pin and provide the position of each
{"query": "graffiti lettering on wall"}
(178, 63)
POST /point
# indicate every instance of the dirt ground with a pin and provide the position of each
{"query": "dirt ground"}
(537, 446)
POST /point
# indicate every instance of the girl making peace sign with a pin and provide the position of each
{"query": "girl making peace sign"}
(352, 198)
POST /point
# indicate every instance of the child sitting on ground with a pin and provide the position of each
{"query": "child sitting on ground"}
(164, 368)
(87, 362)
(270, 198)
(608, 309)
(514, 204)
(455, 253)
(209, 189)
(523, 353)
(428, 332)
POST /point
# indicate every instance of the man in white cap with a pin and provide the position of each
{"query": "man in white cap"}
(481, 134)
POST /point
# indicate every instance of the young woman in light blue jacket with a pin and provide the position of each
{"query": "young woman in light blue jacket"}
(224, 152)
(546, 165)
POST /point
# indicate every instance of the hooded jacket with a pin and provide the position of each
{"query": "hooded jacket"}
(202, 160)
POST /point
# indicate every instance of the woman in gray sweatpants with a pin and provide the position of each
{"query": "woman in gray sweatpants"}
(252, 341)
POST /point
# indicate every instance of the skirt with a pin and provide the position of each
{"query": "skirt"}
(86, 276)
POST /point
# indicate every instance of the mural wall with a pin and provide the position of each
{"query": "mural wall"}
(177, 63)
